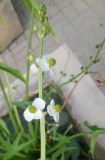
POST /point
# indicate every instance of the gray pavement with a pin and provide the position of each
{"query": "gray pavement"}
(78, 23)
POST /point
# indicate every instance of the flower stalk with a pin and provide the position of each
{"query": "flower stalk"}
(28, 53)
(42, 120)
(30, 127)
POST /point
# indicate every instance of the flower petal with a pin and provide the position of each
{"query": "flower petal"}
(52, 72)
(46, 57)
(52, 102)
(43, 64)
(39, 103)
(50, 110)
(33, 68)
(38, 114)
(28, 116)
(56, 117)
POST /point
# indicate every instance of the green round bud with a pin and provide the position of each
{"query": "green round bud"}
(40, 13)
(52, 62)
(43, 8)
(57, 108)
(31, 57)
(35, 28)
(94, 61)
(44, 29)
(90, 57)
(32, 109)
(45, 19)
(61, 72)
(86, 72)
(41, 18)
(82, 68)
(97, 46)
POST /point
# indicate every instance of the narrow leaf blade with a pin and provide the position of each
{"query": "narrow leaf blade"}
(12, 71)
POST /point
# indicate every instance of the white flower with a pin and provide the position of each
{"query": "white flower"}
(34, 111)
(54, 110)
(33, 68)
(46, 63)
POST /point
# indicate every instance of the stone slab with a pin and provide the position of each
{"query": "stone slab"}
(87, 102)
(10, 26)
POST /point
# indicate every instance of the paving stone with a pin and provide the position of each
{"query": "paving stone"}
(70, 32)
(79, 5)
(86, 20)
(99, 7)
(20, 39)
(90, 2)
(13, 45)
(21, 55)
(35, 41)
(52, 10)
(70, 12)
(63, 4)
(10, 24)
(9, 60)
(19, 47)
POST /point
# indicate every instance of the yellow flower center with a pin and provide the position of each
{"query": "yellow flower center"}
(32, 109)
(57, 108)
(52, 62)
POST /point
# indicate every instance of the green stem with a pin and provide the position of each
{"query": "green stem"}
(87, 66)
(30, 128)
(42, 121)
(12, 99)
(29, 49)
(9, 107)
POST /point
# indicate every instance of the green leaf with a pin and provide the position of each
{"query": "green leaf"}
(92, 127)
(16, 148)
(93, 140)
(63, 149)
(17, 140)
(22, 104)
(65, 140)
(4, 143)
(12, 71)
(92, 144)
(63, 156)
(34, 3)
(24, 145)
(31, 3)
(12, 150)
(3, 127)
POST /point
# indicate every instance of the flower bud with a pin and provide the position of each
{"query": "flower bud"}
(31, 57)
(35, 28)
(44, 29)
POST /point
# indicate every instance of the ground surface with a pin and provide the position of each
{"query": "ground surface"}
(78, 23)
